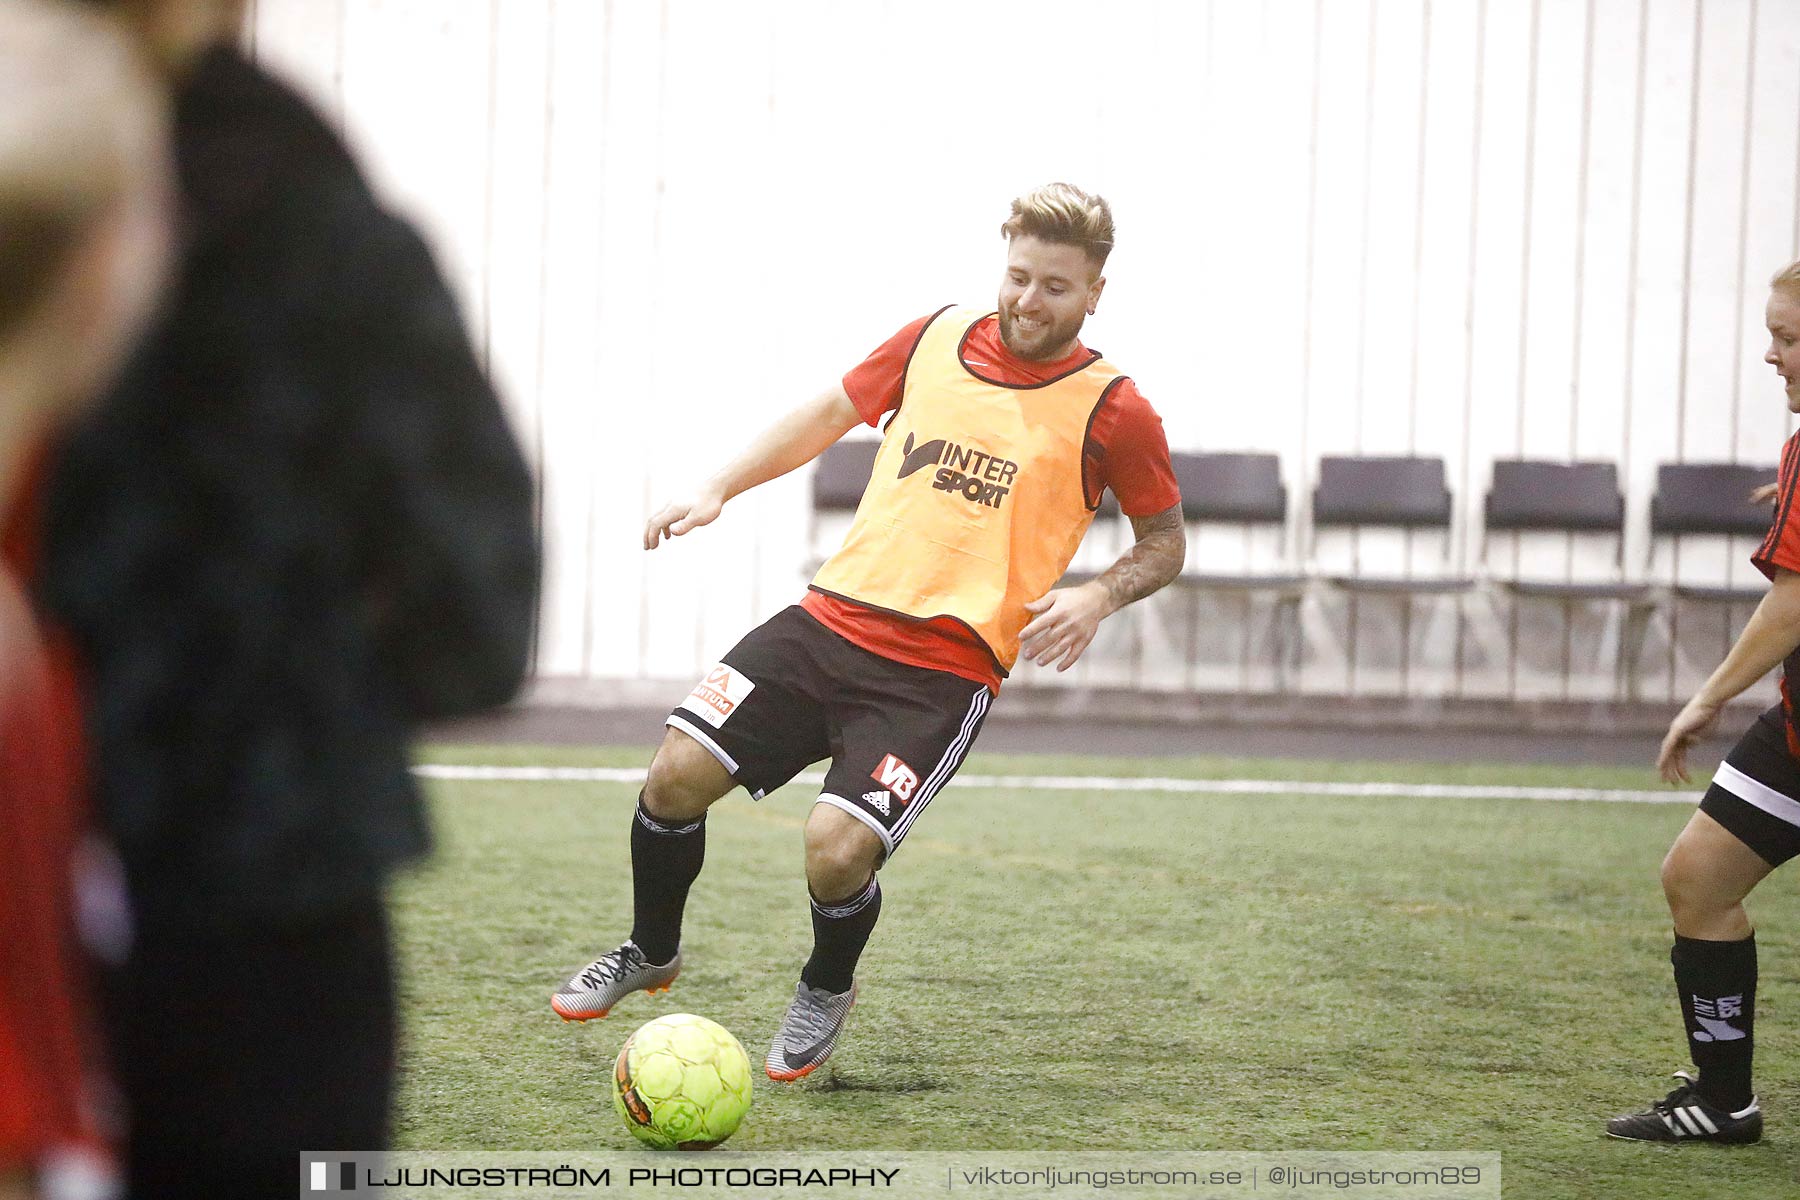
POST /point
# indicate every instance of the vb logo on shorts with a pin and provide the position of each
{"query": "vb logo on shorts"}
(975, 475)
(717, 695)
(896, 777)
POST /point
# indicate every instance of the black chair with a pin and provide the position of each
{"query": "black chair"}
(1554, 497)
(1381, 490)
(839, 479)
(1244, 489)
(1404, 492)
(1230, 487)
(1710, 498)
(1570, 498)
(842, 475)
(1705, 502)
(1528, 494)
(1240, 489)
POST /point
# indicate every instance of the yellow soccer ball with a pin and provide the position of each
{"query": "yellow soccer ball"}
(682, 1083)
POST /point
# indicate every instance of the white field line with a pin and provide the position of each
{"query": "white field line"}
(1105, 783)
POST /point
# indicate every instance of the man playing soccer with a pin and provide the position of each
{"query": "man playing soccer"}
(1002, 431)
(1749, 819)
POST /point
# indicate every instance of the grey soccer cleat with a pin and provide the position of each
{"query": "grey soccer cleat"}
(808, 1032)
(609, 979)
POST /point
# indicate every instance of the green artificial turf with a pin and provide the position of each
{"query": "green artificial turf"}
(1095, 970)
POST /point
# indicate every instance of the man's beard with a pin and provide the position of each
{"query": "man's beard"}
(1053, 338)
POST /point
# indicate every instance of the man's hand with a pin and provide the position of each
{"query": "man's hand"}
(1065, 624)
(1696, 720)
(797, 438)
(679, 517)
(1765, 493)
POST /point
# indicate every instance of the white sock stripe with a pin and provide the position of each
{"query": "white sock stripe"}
(947, 765)
(1757, 793)
(1699, 1114)
(1681, 1114)
(855, 905)
(655, 826)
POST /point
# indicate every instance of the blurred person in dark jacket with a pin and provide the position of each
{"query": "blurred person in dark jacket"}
(84, 240)
(297, 528)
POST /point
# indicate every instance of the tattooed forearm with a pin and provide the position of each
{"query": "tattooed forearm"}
(1154, 561)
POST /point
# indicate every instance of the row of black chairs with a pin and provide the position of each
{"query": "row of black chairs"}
(1525, 496)
(1412, 493)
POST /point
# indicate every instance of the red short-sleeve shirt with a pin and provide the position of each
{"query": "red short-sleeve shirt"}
(1781, 545)
(1780, 550)
(1126, 450)
(45, 1034)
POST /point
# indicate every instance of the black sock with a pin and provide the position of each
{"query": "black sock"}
(840, 931)
(665, 861)
(1717, 985)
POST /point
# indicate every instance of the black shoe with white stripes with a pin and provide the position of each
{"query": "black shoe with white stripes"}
(1682, 1116)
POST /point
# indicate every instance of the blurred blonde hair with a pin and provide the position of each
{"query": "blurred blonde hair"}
(85, 201)
(173, 33)
(1063, 213)
(1787, 280)
(81, 127)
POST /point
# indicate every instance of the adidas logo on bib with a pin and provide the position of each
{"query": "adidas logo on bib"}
(878, 801)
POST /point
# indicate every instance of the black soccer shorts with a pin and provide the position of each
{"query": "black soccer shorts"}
(793, 692)
(1753, 793)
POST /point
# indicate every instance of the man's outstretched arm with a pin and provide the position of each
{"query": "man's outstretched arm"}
(1068, 618)
(795, 440)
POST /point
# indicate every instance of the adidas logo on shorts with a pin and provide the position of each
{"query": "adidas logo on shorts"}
(877, 800)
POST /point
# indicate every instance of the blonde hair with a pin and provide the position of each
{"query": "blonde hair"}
(176, 32)
(1063, 213)
(80, 124)
(1787, 280)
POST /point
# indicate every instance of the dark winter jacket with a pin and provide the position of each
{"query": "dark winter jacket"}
(297, 527)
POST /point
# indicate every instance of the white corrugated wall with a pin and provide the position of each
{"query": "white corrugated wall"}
(1466, 228)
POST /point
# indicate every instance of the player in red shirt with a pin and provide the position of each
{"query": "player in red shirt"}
(947, 576)
(84, 235)
(1749, 819)
(1125, 449)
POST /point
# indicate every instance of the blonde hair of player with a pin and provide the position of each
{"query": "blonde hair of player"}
(85, 203)
(1787, 280)
(84, 199)
(1064, 214)
(174, 33)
